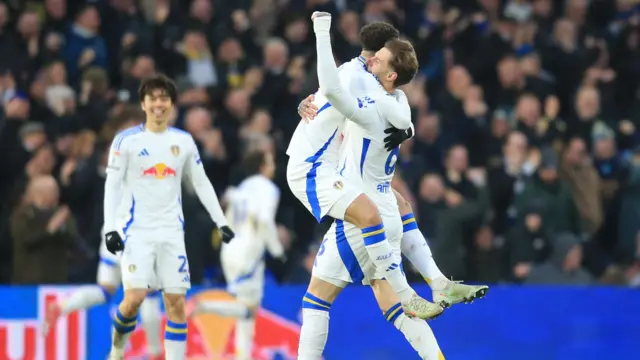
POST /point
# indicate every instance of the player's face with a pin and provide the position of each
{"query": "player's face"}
(158, 106)
(269, 167)
(379, 65)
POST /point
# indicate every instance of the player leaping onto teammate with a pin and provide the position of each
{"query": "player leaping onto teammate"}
(414, 245)
(312, 177)
(146, 165)
(366, 164)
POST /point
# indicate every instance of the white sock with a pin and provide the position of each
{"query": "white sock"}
(244, 338)
(315, 328)
(418, 334)
(175, 341)
(415, 248)
(381, 253)
(122, 328)
(224, 308)
(151, 323)
(84, 298)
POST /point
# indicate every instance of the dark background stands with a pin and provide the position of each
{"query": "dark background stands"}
(525, 165)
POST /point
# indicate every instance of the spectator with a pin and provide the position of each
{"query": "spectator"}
(564, 265)
(43, 232)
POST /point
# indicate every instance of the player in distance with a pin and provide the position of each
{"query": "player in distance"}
(251, 210)
(144, 175)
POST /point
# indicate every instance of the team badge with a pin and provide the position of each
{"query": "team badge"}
(175, 150)
(338, 185)
(132, 268)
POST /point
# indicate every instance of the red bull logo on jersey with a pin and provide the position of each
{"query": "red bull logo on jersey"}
(160, 171)
(20, 336)
(213, 338)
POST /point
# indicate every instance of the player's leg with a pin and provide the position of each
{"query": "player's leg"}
(416, 331)
(416, 249)
(357, 209)
(151, 318)
(137, 269)
(316, 305)
(108, 281)
(172, 269)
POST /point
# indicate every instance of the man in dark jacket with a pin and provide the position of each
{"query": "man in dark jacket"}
(43, 233)
(564, 266)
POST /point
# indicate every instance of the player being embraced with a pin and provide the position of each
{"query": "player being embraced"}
(365, 163)
(144, 175)
(251, 210)
(313, 158)
(109, 279)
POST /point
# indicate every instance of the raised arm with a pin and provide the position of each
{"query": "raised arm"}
(353, 108)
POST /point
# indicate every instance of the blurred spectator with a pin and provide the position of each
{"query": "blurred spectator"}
(43, 233)
(564, 266)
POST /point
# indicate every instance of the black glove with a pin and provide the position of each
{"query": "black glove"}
(396, 137)
(114, 242)
(226, 234)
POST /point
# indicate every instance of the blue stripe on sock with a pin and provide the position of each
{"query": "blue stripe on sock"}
(124, 325)
(175, 331)
(407, 217)
(393, 313)
(313, 302)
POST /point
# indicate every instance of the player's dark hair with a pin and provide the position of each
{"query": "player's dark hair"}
(253, 162)
(158, 82)
(404, 61)
(374, 35)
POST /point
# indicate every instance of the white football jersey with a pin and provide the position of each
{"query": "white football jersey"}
(317, 140)
(144, 178)
(365, 162)
(251, 208)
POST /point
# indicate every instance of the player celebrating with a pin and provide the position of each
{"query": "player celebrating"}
(313, 155)
(251, 211)
(368, 164)
(145, 169)
(108, 281)
(414, 246)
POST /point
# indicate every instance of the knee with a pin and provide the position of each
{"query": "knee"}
(132, 301)
(174, 305)
(363, 213)
(403, 204)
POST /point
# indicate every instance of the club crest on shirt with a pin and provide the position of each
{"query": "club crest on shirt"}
(175, 150)
(132, 268)
(338, 185)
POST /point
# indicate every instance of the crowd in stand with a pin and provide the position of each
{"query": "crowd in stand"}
(525, 165)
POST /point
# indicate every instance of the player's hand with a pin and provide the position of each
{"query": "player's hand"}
(396, 137)
(226, 234)
(307, 110)
(321, 21)
(114, 242)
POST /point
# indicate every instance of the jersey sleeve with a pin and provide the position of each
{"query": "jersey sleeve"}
(116, 171)
(202, 186)
(360, 110)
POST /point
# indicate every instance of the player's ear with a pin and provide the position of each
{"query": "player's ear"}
(142, 106)
(392, 76)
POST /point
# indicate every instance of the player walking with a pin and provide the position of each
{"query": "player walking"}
(109, 278)
(343, 257)
(251, 210)
(146, 165)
